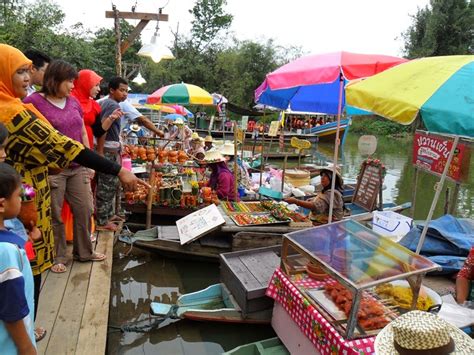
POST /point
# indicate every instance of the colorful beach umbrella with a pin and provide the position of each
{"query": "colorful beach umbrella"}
(162, 108)
(182, 94)
(312, 83)
(440, 89)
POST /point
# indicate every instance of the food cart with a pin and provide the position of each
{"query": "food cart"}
(342, 283)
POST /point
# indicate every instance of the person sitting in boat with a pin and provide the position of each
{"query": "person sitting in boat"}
(243, 177)
(464, 287)
(183, 135)
(319, 205)
(208, 143)
(197, 147)
(221, 179)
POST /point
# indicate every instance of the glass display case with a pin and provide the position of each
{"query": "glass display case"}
(366, 280)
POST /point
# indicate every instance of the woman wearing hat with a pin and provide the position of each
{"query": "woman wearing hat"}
(243, 177)
(197, 147)
(221, 179)
(319, 205)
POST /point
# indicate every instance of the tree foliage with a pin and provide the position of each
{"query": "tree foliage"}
(206, 56)
(445, 27)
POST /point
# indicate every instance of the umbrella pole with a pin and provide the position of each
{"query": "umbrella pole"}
(439, 187)
(336, 147)
(235, 163)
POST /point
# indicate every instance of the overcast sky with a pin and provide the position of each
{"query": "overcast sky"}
(318, 26)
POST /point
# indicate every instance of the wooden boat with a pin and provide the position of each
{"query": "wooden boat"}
(164, 240)
(327, 132)
(214, 303)
(272, 346)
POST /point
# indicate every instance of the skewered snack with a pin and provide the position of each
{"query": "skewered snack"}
(403, 296)
(370, 314)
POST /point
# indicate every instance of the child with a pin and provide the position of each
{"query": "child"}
(16, 278)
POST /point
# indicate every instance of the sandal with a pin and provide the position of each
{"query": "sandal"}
(40, 333)
(108, 227)
(94, 257)
(116, 218)
(58, 268)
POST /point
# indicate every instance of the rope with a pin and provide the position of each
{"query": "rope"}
(146, 328)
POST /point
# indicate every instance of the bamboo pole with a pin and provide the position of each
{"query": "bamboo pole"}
(149, 201)
(235, 162)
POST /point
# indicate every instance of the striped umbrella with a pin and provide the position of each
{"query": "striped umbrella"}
(182, 94)
(440, 89)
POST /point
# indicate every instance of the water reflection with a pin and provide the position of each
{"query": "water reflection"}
(142, 277)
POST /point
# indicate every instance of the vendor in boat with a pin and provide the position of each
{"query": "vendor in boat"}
(183, 134)
(208, 143)
(464, 286)
(221, 179)
(319, 205)
(243, 177)
(197, 147)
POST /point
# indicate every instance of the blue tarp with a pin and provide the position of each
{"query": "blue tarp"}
(447, 243)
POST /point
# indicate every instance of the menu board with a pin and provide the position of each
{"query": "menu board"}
(368, 187)
(273, 131)
(199, 223)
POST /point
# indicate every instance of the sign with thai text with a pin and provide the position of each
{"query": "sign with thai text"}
(239, 134)
(273, 131)
(244, 123)
(300, 143)
(431, 152)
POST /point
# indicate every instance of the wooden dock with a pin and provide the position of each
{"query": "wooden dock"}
(74, 306)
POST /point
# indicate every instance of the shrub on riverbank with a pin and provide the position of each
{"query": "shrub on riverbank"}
(377, 126)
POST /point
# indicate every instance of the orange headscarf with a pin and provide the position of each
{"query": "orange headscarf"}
(10, 60)
(86, 80)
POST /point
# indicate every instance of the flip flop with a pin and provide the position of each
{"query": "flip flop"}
(62, 268)
(94, 257)
(40, 333)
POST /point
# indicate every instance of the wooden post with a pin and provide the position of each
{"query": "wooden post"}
(118, 52)
(269, 149)
(380, 190)
(149, 201)
(283, 173)
(235, 162)
(299, 158)
(415, 187)
(262, 160)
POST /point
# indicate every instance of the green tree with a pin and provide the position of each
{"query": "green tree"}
(445, 27)
(209, 21)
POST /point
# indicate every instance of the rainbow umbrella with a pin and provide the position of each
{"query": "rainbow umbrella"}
(182, 94)
(439, 89)
(162, 108)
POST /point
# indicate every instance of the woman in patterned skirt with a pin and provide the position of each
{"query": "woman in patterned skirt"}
(34, 146)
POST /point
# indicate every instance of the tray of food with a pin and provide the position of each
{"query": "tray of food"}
(249, 219)
(239, 207)
(336, 300)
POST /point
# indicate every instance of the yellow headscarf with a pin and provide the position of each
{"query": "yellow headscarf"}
(10, 60)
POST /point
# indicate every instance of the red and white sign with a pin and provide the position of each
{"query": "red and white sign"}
(431, 152)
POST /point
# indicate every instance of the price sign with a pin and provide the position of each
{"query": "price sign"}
(273, 131)
(244, 123)
(368, 187)
(239, 134)
(300, 143)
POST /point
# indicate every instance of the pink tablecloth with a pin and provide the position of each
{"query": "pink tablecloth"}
(325, 338)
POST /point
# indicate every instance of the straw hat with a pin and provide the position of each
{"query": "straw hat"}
(195, 137)
(134, 127)
(213, 156)
(418, 331)
(178, 121)
(227, 149)
(208, 139)
(339, 179)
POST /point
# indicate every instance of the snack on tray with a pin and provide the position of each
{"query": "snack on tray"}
(403, 296)
(371, 314)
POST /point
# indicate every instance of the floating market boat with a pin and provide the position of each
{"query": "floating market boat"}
(230, 237)
(272, 346)
(215, 303)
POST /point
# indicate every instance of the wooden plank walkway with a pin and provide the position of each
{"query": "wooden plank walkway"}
(74, 306)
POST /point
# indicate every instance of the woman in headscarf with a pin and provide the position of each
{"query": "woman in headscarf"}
(34, 146)
(221, 179)
(319, 205)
